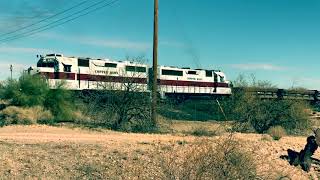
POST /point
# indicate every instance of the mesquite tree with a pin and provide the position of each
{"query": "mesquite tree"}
(123, 101)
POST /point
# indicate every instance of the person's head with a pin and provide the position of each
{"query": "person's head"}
(317, 135)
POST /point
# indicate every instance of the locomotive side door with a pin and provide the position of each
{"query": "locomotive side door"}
(215, 82)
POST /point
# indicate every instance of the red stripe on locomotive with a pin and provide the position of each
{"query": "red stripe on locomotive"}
(88, 77)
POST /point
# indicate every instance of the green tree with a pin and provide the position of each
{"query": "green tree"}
(59, 102)
(33, 90)
(247, 108)
(27, 91)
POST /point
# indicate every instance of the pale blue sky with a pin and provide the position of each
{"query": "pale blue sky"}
(277, 40)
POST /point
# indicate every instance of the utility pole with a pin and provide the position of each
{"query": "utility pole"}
(155, 64)
(11, 68)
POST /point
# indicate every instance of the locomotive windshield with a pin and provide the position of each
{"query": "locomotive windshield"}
(47, 62)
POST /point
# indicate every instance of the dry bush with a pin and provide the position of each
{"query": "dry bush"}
(201, 131)
(266, 137)
(262, 114)
(19, 115)
(164, 125)
(90, 113)
(243, 127)
(125, 106)
(90, 171)
(277, 132)
(206, 160)
(81, 118)
(246, 107)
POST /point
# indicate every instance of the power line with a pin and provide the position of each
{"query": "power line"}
(45, 19)
(49, 25)
(53, 24)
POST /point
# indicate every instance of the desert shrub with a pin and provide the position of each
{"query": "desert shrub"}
(203, 132)
(143, 125)
(263, 114)
(316, 106)
(289, 114)
(277, 132)
(33, 90)
(243, 127)
(295, 116)
(266, 137)
(126, 110)
(48, 121)
(27, 91)
(250, 80)
(203, 160)
(3, 104)
(90, 111)
(232, 162)
(80, 118)
(27, 115)
(90, 171)
(59, 102)
(250, 110)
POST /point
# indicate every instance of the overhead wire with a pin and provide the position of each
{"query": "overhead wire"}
(49, 25)
(53, 24)
(45, 19)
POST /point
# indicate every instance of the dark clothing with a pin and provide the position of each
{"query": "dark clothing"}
(304, 156)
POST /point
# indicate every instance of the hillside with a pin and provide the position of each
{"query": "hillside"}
(64, 153)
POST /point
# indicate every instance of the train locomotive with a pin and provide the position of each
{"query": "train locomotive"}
(93, 74)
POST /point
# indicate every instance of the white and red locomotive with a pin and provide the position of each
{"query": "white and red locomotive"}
(88, 73)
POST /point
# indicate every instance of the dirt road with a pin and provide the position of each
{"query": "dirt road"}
(38, 134)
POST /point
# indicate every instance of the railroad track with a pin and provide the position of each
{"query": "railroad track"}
(274, 93)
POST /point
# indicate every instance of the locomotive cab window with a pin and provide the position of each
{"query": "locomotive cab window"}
(192, 72)
(46, 63)
(112, 65)
(67, 68)
(83, 62)
(208, 73)
(171, 72)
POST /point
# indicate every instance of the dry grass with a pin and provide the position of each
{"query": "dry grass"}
(266, 137)
(188, 127)
(204, 132)
(57, 161)
(20, 115)
(206, 159)
(43, 152)
(81, 118)
(277, 132)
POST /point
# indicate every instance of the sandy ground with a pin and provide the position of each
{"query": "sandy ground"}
(25, 146)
